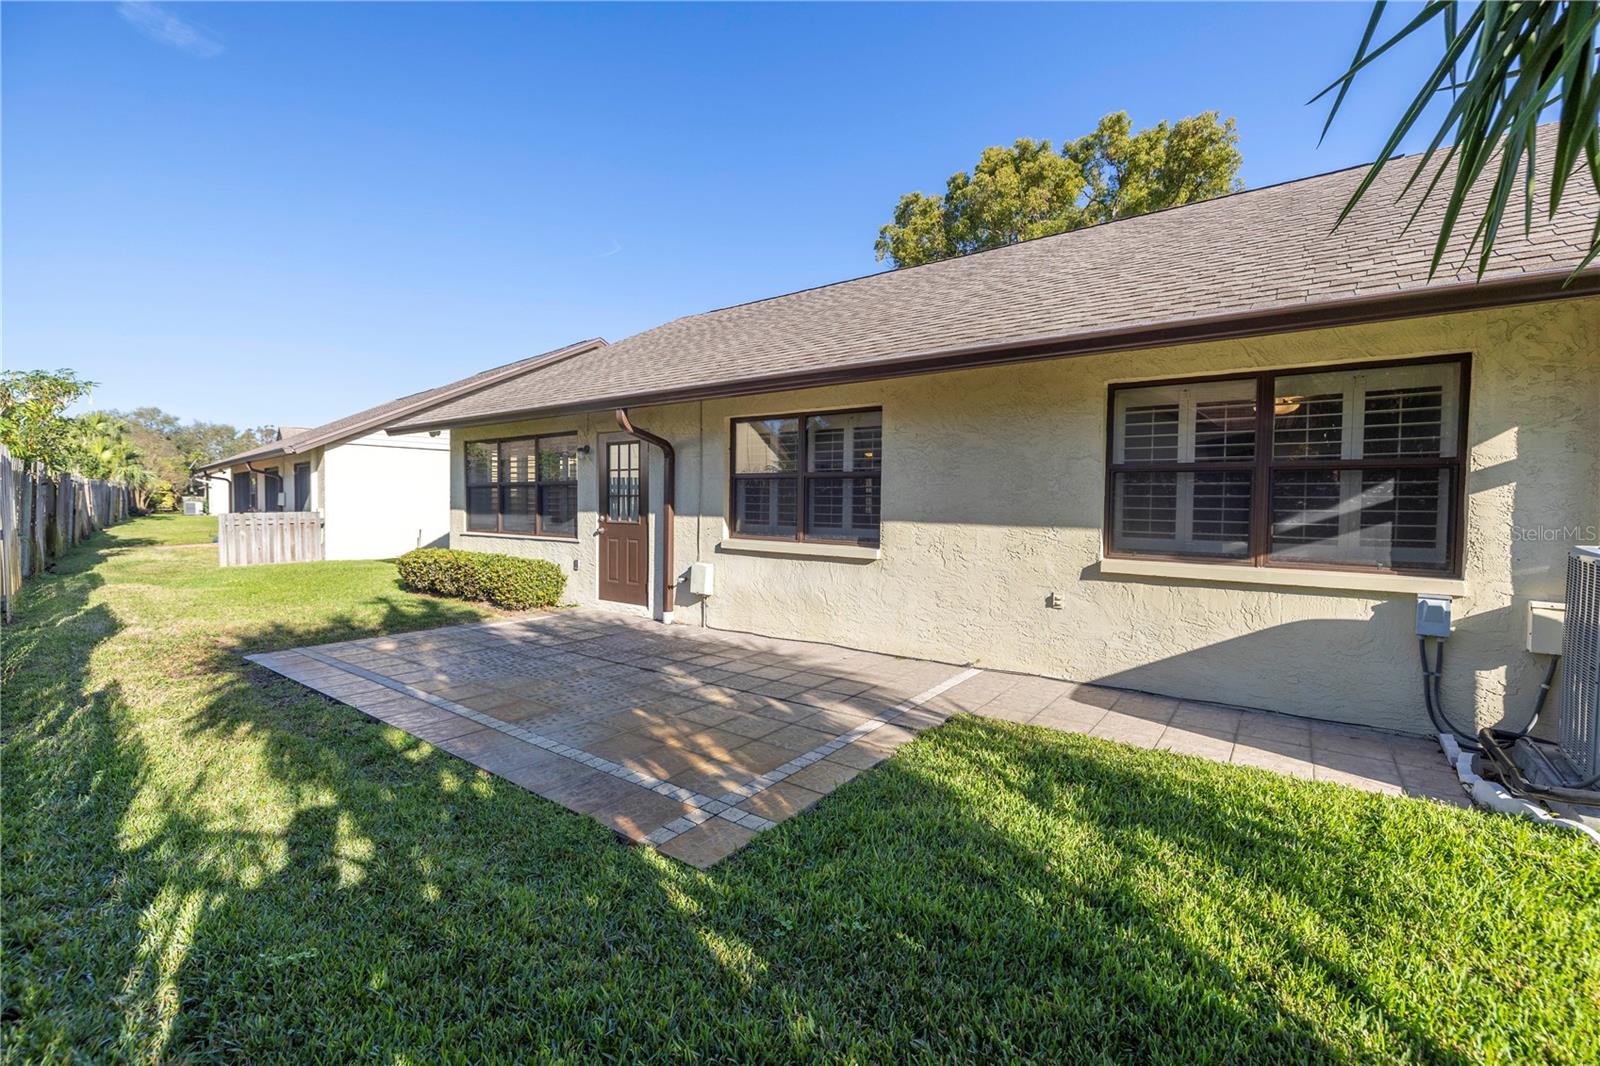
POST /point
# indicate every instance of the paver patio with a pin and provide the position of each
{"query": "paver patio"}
(694, 741)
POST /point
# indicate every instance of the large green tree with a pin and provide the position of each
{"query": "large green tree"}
(1031, 190)
(1502, 68)
(33, 423)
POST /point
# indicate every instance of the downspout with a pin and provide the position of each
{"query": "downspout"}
(226, 480)
(669, 463)
(263, 474)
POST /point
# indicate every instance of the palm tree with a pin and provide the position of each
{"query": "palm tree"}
(1506, 65)
(104, 451)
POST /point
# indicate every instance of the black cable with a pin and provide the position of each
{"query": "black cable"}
(1433, 695)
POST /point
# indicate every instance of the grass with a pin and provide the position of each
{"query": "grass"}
(171, 530)
(205, 861)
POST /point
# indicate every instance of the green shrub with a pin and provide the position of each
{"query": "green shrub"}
(515, 584)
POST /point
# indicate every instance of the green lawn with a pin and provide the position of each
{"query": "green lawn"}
(205, 861)
(164, 529)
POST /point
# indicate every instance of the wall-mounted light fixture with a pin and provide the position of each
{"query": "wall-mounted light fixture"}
(583, 450)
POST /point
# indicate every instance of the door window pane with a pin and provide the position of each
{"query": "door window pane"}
(622, 481)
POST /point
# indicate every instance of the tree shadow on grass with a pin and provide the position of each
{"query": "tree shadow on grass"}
(258, 872)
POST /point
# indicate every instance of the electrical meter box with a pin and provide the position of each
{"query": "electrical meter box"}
(1433, 616)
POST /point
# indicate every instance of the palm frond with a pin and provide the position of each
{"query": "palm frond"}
(1506, 65)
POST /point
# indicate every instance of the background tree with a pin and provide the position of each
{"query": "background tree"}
(1030, 190)
(174, 450)
(103, 450)
(33, 426)
(1503, 67)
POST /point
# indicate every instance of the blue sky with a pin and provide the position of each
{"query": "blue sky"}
(284, 213)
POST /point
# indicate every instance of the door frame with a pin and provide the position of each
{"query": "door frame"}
(646, 515)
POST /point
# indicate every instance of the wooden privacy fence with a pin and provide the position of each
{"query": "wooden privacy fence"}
(269, 537)
(42, 514)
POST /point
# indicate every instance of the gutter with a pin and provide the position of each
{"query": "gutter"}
(669, 462)
(206, 473)
(253, 470)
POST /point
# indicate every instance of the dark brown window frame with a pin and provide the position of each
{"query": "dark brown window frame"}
(1263, 465)
(801, 475)
(500, 488)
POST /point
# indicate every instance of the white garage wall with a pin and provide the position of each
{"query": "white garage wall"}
(381, 496)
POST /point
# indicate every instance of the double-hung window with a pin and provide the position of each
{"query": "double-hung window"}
(1351, 467)
(526, 486)
(811, 477)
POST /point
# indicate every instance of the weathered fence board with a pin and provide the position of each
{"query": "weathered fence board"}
(10, 536)
(43, 514)
(269, 537)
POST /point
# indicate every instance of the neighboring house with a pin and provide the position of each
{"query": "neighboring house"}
(379, 494)
(1213, 452)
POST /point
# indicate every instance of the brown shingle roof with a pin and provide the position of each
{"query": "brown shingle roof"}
(375, 418)
(1269, 253)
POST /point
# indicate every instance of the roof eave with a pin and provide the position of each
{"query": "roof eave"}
(1323, 314)
(241, 458)
(309, 441)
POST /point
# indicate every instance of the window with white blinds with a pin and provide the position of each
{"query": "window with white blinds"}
(1383, 441)
(1354, 467)
(1182, 457)
(813, 477)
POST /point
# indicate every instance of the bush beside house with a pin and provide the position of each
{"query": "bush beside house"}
(515, 584)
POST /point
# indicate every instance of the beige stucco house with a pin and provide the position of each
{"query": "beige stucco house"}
(379, 494)
(1214, 452)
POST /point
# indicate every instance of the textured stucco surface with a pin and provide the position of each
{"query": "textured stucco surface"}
(993, 499)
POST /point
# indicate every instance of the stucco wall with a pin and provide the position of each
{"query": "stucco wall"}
(382, 496)
(993, 500)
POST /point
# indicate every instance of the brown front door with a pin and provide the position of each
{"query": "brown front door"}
(624, 529)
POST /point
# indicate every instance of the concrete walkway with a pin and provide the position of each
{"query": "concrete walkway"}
(694, 741)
